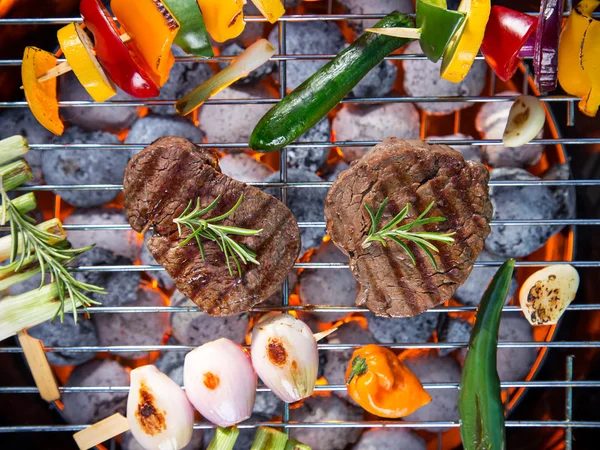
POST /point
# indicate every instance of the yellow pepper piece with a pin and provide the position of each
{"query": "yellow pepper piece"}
(224, 18)
(579, 57)
(79, 52)
(153, 29)
(41, 97)
(464, 46)
(271, 9)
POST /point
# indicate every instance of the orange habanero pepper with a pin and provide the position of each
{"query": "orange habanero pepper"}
(382, 385)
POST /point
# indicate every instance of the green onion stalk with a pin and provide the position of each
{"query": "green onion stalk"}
(269, 439)
(52, 226)
(293, 444)
(224, 438)
(12, 147)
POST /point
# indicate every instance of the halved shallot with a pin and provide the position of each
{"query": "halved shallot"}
(285, 356)
(159, 414)
(220, 382)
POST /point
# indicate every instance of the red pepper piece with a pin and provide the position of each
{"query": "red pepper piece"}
(506, 33)
(120, 60)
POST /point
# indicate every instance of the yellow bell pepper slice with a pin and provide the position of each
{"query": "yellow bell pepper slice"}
(224, 18)
(579, 57)
(41, 97)
(153, 29)
(270, 9)
(79, 52)
(464, 46)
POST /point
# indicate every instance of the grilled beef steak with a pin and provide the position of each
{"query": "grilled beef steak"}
(416, 173)
(159, 183)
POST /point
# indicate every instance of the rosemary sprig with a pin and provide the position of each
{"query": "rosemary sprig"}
(51, 255)
(211, 230)
(420, 238)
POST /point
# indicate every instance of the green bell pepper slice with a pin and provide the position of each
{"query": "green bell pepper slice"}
(479, 402)
(437, 24)
(192, 37)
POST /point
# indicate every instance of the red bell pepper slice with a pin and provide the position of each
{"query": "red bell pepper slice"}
(506, 33)
(121, 60)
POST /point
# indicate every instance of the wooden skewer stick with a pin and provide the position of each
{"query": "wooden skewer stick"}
(101, 431)
(65, 67)
(324, 334)
(39, 367)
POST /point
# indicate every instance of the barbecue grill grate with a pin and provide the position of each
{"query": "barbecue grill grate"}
(284, 186)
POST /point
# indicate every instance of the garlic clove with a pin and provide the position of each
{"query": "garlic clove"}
(285, 356)
(525, 120)
(547, 293)
(159, 414)
(220, 382)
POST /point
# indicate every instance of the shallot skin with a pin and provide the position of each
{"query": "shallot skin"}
(159, 414)
(220, 382)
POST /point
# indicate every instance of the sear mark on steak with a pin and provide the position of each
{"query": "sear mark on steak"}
(159, 183)
(417, 173)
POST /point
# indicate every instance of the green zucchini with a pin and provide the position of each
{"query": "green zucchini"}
(313, 99)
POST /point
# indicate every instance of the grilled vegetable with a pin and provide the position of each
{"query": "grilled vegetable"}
(269, 439)
(159, 414)
(512, 29)
(525, 120)
(479, 403)
(293, 444)
(79, 52)
(436, 25)
(382, 385)
(285, 356)
(224, 18)
(12, 147)
(254, 56)
(192, 36)
(578, 61)
(271, 9)
(224, 438)
(545, 58)
(153, 29)
(546, 294)
(41, 97)
(127, 69)
(313, 99)
(464, 46)
(220, 382)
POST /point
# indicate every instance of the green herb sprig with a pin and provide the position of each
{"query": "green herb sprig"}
(211, 230)
(51, 255)
(397, 233)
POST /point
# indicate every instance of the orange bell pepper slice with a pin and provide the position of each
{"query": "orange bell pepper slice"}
(382, 385)
(41, 96)
(270, 9)
(153, 28)
(224, 18)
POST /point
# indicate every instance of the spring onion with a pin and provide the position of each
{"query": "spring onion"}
(525, 120)
(224, 439)
(545, 51)
(269, 439)
(159, 414)
(30, 309)
(25, 203)
(285, 356)
(15, 174)
(220, 382)
(293, 444)
(254, 56)
(547, 293)
(52, 226)
(12, 147)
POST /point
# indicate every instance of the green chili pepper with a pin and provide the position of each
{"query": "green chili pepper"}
(192, 37)
(437, 24)
(479, 403)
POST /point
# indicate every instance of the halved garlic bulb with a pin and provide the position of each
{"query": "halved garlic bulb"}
(285, 356)
(159, 414)
(547, 293)
(525, 120)
(220, 382)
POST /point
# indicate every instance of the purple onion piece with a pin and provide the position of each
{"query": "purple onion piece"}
(545, 55)
(527, 49)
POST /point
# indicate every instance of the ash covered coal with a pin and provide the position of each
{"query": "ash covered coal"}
(99, 117)
(378, 82)
(469, 152)
(405, 329)
(374, 123)
(243, 167)
(451, 329)
(319, 287)
(170, 362)
(565, 196)
(422, 79)
(148, 129)
(140, 328)
(85, 166)
(90, 407)
(301, 38)
(121, 242)
(311, 158)
(378, 438)
(374, 7)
